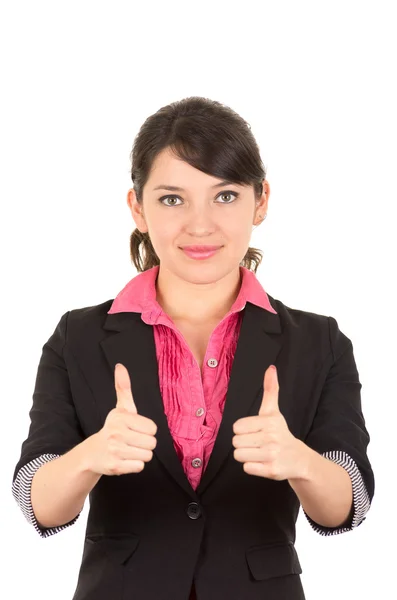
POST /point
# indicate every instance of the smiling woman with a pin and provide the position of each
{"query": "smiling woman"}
(195, 334)
(196, 146)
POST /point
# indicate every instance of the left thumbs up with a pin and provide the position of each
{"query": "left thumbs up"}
(264, 443)
(269, 404)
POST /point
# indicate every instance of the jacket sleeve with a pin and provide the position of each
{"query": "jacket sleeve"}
(339, 432)
(54, 426)
(21, 489)
(361, 502)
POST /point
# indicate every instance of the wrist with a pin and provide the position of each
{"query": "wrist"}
(304, 460)
(87, 454)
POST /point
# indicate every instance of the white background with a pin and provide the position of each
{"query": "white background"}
(317, 83)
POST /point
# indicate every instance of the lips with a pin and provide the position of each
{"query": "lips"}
(202, 253)
(200, 248)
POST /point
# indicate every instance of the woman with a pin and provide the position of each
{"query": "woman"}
(197, 411)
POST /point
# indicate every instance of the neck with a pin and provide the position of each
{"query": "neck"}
(197, 303)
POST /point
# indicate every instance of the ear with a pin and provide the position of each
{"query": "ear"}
(136, 209)
(262, 202)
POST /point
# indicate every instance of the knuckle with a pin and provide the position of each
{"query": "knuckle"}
(113, 437)
(114, 467)
(149, 455)
(274, 470)
(151, 427)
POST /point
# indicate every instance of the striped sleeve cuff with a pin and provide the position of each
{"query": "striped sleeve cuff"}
(361, 500)
(21, 489)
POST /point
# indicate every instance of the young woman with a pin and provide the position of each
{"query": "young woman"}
(197, 411)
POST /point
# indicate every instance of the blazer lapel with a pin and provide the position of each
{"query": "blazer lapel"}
(256, 350)
(133, 345)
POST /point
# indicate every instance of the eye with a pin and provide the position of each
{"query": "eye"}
(223, 193)
(166, 198)
(229, 193)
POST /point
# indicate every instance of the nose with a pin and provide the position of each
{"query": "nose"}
(200, 221)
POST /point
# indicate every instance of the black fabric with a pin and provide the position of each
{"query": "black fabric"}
(143, 542)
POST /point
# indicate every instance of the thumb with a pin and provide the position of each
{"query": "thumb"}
(123, 389)
(270, 392)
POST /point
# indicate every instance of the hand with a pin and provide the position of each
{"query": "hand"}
(127, 439)
(264, 443)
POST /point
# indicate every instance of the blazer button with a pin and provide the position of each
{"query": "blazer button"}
(194, 510)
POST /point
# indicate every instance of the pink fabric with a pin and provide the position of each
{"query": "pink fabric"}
(184, 388)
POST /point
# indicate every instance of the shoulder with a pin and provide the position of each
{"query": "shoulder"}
(296, 317)
(97, 312)
(311, 327)
(86, 321)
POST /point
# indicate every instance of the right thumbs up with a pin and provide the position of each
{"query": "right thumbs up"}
(123, 389)
(127, 440)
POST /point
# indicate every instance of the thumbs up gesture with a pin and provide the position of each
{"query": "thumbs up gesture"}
(263, 443)
(127, 439)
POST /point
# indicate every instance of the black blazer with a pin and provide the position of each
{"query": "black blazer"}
(150, 534)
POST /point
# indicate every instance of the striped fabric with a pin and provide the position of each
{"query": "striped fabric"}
(21, 492)
(23, 482)
(361, 501)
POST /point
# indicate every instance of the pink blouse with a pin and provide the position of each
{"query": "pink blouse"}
(193, 399)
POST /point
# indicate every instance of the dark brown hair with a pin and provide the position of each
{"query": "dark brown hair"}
(208, 136)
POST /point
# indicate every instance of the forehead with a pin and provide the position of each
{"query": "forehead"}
(167, 162)
(168, 169)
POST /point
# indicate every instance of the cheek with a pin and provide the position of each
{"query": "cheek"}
(163, 232)
(239, 230)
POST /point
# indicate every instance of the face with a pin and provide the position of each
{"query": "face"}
(202, 212)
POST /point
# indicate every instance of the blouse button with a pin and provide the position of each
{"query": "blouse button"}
(196, 462)
(212, 362)
(199, 412)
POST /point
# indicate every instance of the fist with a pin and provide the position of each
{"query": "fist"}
(264, 443)
(126, 441)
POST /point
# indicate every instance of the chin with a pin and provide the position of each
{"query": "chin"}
(202, 271)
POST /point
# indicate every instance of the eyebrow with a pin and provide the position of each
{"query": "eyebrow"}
(174, 188)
